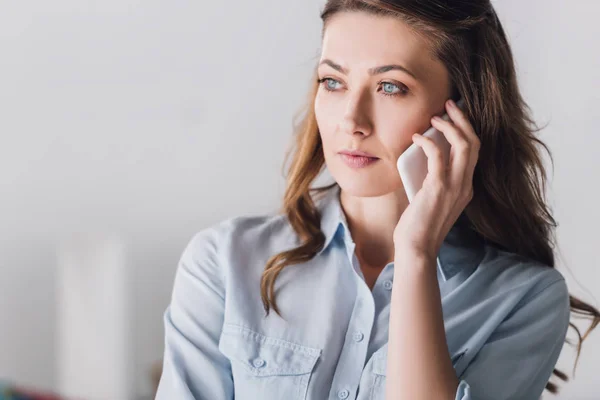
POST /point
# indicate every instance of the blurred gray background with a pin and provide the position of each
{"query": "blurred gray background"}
(127, 126)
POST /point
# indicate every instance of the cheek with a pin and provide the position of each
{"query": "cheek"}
(403, 146)
(326, 112)
(327, 119)
(395, 136)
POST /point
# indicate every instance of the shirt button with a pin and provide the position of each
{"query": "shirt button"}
(387, 285)
(358, 336)
(259, 362)
(342, 394)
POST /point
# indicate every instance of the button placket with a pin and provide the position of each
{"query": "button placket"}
(361, 319)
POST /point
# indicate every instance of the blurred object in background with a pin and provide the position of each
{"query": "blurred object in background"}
(155, 374)
(15, 392)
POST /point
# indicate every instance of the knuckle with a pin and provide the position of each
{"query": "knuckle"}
(438, 187)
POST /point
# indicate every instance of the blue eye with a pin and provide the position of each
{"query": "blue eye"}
(327, 81)
(388, 87)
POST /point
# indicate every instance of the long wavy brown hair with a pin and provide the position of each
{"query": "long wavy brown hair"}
(508, 208)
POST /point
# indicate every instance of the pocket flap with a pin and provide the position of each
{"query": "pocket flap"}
(265, 356)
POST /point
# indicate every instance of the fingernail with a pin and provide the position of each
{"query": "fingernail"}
(450, 103)
(436, 118)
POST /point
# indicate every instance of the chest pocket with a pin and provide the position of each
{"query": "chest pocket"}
(265, 367)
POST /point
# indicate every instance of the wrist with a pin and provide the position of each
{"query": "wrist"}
(414, 254)
(416, 264)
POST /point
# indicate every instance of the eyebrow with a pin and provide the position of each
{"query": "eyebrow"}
(372, 71)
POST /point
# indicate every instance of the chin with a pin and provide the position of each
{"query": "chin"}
(359, 184)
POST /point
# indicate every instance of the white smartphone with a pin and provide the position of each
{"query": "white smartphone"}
(412, 164)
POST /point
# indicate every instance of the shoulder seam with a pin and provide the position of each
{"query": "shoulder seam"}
(561, 279)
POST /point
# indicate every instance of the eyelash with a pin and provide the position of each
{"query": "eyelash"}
(403, 92)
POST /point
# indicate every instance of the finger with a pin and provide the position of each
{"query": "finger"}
(435, 158)
(460, 151)
(460, 119)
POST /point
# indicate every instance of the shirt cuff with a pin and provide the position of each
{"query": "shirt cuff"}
(464, 391)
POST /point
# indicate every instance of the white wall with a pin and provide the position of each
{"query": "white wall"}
(93, 318)
(555, 46)
(128, 116)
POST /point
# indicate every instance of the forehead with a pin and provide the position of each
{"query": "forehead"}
(359, 40)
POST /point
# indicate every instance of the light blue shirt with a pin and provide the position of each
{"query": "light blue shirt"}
(505, 317)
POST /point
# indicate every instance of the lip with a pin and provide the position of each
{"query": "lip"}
(357, 161)
(357, 153)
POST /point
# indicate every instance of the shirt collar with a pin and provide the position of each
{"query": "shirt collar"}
(462, 249)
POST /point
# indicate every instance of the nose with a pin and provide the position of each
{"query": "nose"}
(356, 118)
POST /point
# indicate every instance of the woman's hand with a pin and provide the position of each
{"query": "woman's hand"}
(446, 191)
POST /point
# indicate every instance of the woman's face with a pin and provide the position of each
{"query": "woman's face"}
(374, 111)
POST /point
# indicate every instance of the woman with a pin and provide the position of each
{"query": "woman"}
(451, 297)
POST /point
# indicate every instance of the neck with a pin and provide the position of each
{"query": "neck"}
(371, 221)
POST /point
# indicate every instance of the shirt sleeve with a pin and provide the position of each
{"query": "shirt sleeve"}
(517, 360)
(193, 366)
